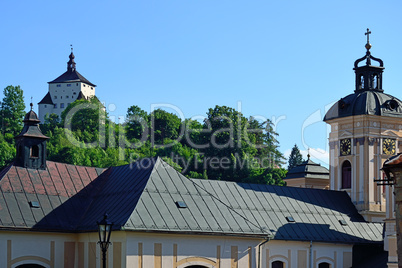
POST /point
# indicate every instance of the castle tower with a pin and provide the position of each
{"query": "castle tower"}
(64, 90)
(365, 130)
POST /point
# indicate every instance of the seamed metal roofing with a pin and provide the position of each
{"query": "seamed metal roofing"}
(151, 196)
(62, 192)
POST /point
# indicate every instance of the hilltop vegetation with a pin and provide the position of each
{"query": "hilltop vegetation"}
(225, 146)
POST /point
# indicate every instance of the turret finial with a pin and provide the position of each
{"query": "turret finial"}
(368, 45)
(31, 104)
(71, 63)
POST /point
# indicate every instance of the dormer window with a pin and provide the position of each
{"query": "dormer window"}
(34, 151)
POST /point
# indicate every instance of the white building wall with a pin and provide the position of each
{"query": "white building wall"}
(62, 95)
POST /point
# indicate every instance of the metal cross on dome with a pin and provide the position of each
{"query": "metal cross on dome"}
(368, 35)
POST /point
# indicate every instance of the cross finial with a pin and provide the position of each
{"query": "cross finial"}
(308, 153)
(368, 35)
(368, 45)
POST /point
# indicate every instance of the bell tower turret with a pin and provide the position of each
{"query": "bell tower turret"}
(31, 143)
(368, 77)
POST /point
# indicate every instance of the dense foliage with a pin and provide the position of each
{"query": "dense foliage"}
(225, 146)
(295, 158)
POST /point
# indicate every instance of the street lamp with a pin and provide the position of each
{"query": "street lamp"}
(104, 229)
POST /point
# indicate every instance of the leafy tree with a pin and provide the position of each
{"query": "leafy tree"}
(235, 145)
(87, 119)
(12, 112)
(51, 122)
(295, 158)
(137, 123)
(7, 152)
(164, 125)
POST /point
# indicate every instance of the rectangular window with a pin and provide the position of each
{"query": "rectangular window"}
(76, 84)
(66, 97)
(61, 105)
(58, 85)
(69, 85)
(55, 105)
(45, 106)
(55, 97)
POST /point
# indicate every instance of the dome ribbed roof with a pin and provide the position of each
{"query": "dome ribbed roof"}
(368, 102)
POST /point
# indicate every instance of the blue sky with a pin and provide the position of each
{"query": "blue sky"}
(287, 61)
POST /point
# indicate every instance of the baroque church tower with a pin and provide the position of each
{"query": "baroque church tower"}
(64, 90)
(366, 128)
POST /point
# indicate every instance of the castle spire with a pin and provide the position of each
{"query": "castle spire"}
(71, 63)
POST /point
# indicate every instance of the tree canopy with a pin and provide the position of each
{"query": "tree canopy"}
(12, 112)
(225, 146)
(295, 158)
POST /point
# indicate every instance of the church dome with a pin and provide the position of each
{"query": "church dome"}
(368, 102)
(369, 97)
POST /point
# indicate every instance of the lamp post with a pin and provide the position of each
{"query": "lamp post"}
(104, 229)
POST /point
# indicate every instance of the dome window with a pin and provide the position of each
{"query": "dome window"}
(343, 104)
(392, 105)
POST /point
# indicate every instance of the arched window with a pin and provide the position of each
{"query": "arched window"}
(277, 264)
(346, 175)
(324, 265)
(35, 151)
(375, 81)
(361, 86)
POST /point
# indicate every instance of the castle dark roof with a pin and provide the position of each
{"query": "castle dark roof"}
(47, 99)
(308, 169)
(71, 75)
(151, 196)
